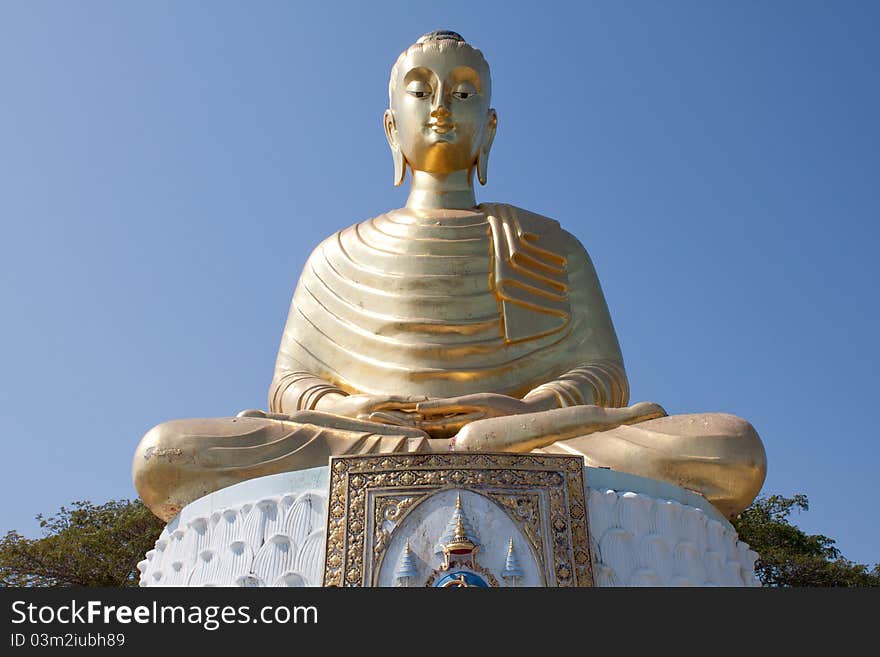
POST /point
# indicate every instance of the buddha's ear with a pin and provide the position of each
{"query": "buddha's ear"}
(396, 154)
(483, 156)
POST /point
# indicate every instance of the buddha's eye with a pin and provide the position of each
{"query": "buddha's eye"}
(418, 89)
(464, 90)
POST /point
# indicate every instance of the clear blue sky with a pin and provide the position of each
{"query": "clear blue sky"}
(166, 167)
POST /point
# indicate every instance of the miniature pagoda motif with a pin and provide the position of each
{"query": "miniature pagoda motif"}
(406, 567)
(512, 568)
(449, 533)
(458, 542)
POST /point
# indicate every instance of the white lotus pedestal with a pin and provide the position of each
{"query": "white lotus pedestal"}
(450, 520)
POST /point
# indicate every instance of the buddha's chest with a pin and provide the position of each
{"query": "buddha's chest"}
(387, 303)
(453, 274)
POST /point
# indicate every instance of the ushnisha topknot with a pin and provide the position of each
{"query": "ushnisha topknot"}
(440, 40)
(440, 35)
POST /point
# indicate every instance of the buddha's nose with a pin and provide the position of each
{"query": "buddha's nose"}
(441, 111)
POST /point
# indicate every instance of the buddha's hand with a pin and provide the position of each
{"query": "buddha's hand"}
(442, 418)
(387, 409)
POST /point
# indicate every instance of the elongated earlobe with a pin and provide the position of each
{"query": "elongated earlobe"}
(399, 167)
(482, 165)
(396, 153)
(483, 156)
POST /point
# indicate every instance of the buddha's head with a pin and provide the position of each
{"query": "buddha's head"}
(439, 118)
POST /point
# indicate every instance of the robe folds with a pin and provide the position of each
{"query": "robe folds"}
(495, 299)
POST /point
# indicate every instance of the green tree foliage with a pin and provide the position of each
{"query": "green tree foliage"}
(85, 545)
(790, 557)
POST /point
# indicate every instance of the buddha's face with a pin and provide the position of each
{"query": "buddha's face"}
(440, 116)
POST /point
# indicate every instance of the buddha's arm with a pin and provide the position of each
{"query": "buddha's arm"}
(599, 383)
(296, 384)
(299, 391)
(295, 389)
(596, 375)
(301, 380)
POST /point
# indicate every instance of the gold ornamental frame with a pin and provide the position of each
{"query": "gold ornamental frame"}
(544, 495)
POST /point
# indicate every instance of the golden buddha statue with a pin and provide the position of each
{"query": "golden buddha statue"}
(447, 325)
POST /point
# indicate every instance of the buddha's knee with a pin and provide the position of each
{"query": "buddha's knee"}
(715, 454)
(171, 468)
(722, 457)
(731, 439)
(160, 467)
(747, 463)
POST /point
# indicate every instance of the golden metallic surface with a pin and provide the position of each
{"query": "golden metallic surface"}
(182, 460)
(448, 325)
(417, 303)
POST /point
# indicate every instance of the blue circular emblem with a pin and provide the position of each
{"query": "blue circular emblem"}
(461, 578)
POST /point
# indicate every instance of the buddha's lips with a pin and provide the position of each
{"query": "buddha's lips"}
(441, 128)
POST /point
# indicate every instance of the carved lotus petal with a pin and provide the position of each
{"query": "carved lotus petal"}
(714, 566)
(272, 517)
(290, 579)
(645, 577)
(718, 539)
(227, 526)
(197, 535)
(634, 513)
(310, 558)
(253, 530)
(605, 576)
(687, 561)
(746, 555)
(175, 574)
(667, 518)
(603, 510)
(304, 516)
(249, 581)
(655, 553)
(142, 567)
(694, 525)
(274, 558)
(206, 569)
(235, 561)
(617, 552)
(177, 547)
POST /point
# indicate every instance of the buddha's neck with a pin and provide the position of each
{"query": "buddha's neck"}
(454, 191)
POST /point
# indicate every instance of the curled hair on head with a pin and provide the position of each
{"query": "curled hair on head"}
(438, 40)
